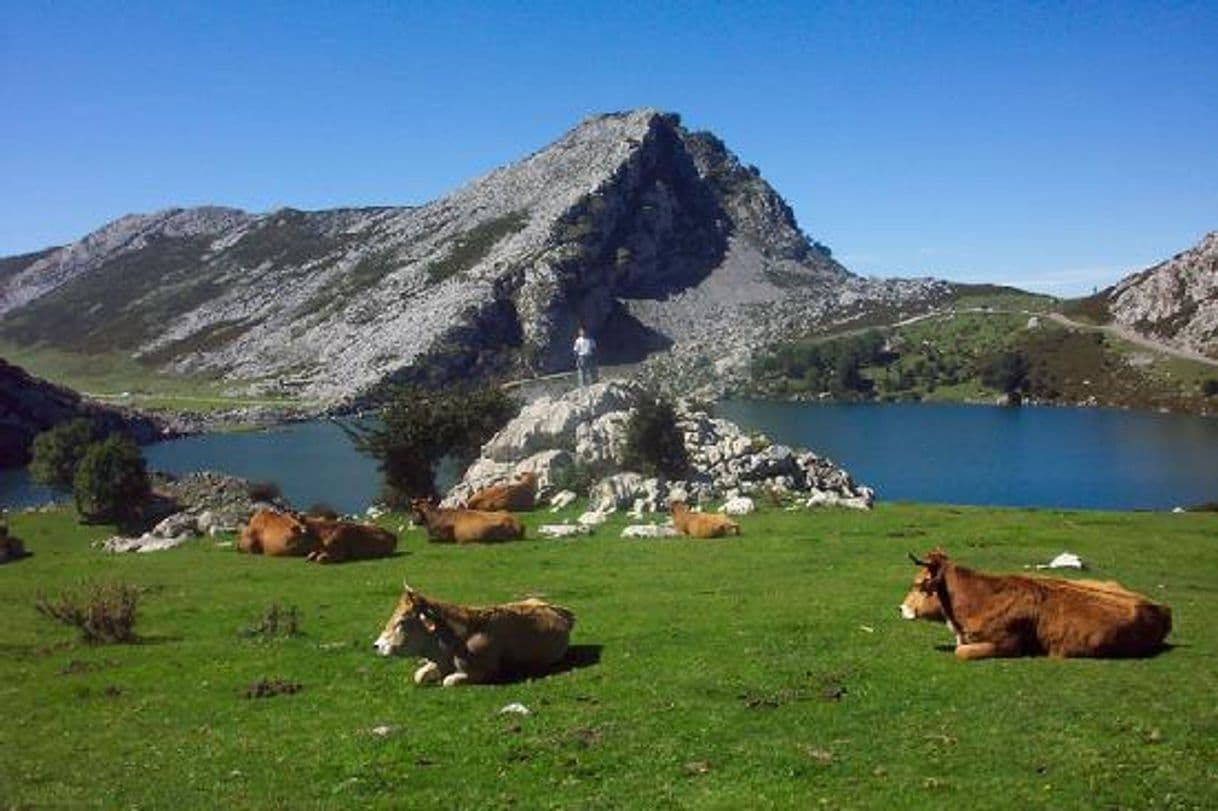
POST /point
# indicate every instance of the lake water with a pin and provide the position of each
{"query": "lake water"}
(1029, 456)
(1037, 457)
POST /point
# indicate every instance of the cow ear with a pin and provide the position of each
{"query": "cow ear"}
(429, 622)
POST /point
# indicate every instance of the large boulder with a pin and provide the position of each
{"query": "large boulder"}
(584, 432)
(551, 423)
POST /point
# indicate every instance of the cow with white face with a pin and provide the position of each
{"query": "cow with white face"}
(476, 644)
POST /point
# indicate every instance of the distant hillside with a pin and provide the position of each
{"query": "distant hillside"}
(1175, 301)
(984, 345)
(29, 406)
(653, 236)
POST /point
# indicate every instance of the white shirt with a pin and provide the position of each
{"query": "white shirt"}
(584, 346)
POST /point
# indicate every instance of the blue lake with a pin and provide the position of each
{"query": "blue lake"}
(1019, 457)
(1036, 457)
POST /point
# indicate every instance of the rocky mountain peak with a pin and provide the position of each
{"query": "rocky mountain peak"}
(1176, 300)
(648, 234)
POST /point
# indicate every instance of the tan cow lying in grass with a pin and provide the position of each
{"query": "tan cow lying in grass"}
(701, 525)
(519, 496)
(1016, 615)
(345, 540)
(476, 644)
(465, 526)
(322, 540)
(270, 532)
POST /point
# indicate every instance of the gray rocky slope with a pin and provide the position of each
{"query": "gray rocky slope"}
(1175, 301)
(655, 237)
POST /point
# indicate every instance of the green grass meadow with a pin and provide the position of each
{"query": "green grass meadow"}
(766, 671)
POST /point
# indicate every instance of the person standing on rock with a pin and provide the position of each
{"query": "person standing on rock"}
(585, 358)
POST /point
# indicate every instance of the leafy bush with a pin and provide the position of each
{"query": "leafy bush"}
(1005, 371)
(111, 482)
(1210, 387)
(275, 621)
(103, 613)
(419, 427)
(57, 452)
(578, 478)
(654, 443)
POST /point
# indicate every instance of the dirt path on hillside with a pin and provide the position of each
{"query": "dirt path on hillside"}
(1126, 334)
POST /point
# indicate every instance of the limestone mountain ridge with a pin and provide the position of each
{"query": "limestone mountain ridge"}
(656, 238)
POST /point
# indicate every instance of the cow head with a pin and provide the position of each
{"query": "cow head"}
(411, 629)
(421, 510)
(922, 602)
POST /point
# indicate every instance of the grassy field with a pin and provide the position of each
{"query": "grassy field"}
(766, 671)
(116, 378)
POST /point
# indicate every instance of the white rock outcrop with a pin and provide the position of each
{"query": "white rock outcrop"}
(584, 431)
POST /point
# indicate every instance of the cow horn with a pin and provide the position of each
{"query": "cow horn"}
(917, 562)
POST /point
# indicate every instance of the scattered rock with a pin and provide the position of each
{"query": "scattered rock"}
(564, 530)
(515, 708)
(650, 531)
(1066, 560)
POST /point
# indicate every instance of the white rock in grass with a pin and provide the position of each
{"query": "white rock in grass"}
(515, 708)
(739, 505)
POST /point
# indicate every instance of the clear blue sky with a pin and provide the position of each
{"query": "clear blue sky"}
(1054, 146)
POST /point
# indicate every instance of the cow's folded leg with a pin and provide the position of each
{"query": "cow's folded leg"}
(977, 650)
(453, 679)
(428, 674)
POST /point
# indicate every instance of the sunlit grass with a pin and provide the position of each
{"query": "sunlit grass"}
(768, 671)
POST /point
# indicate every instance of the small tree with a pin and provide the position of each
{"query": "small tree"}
(57, 451)
(654, 443)
(1005, 371)
(111, 482)
(419, 427)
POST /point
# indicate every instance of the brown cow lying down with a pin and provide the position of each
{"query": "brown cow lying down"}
(1017, 615)
(467, 644)
(465, 526)
(520, 495)
(701, 525)
(274, 533)
(344, 540)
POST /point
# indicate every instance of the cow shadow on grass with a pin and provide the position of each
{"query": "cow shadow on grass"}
(1163, 648)
(578, 657)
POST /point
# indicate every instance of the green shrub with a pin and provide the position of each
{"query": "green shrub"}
(275, 621)
(103, 612)
(655, 445)
(419, 427)
(1005, 371)
(111, 482)
(57, 452)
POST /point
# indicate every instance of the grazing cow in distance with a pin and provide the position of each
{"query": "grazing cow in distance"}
(476, 644)
(345, 540)
(465, 526)
(1017, 615)
(701, 525)
(270, 532)
(517, 496)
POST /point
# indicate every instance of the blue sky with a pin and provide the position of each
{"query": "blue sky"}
(1053, 146)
